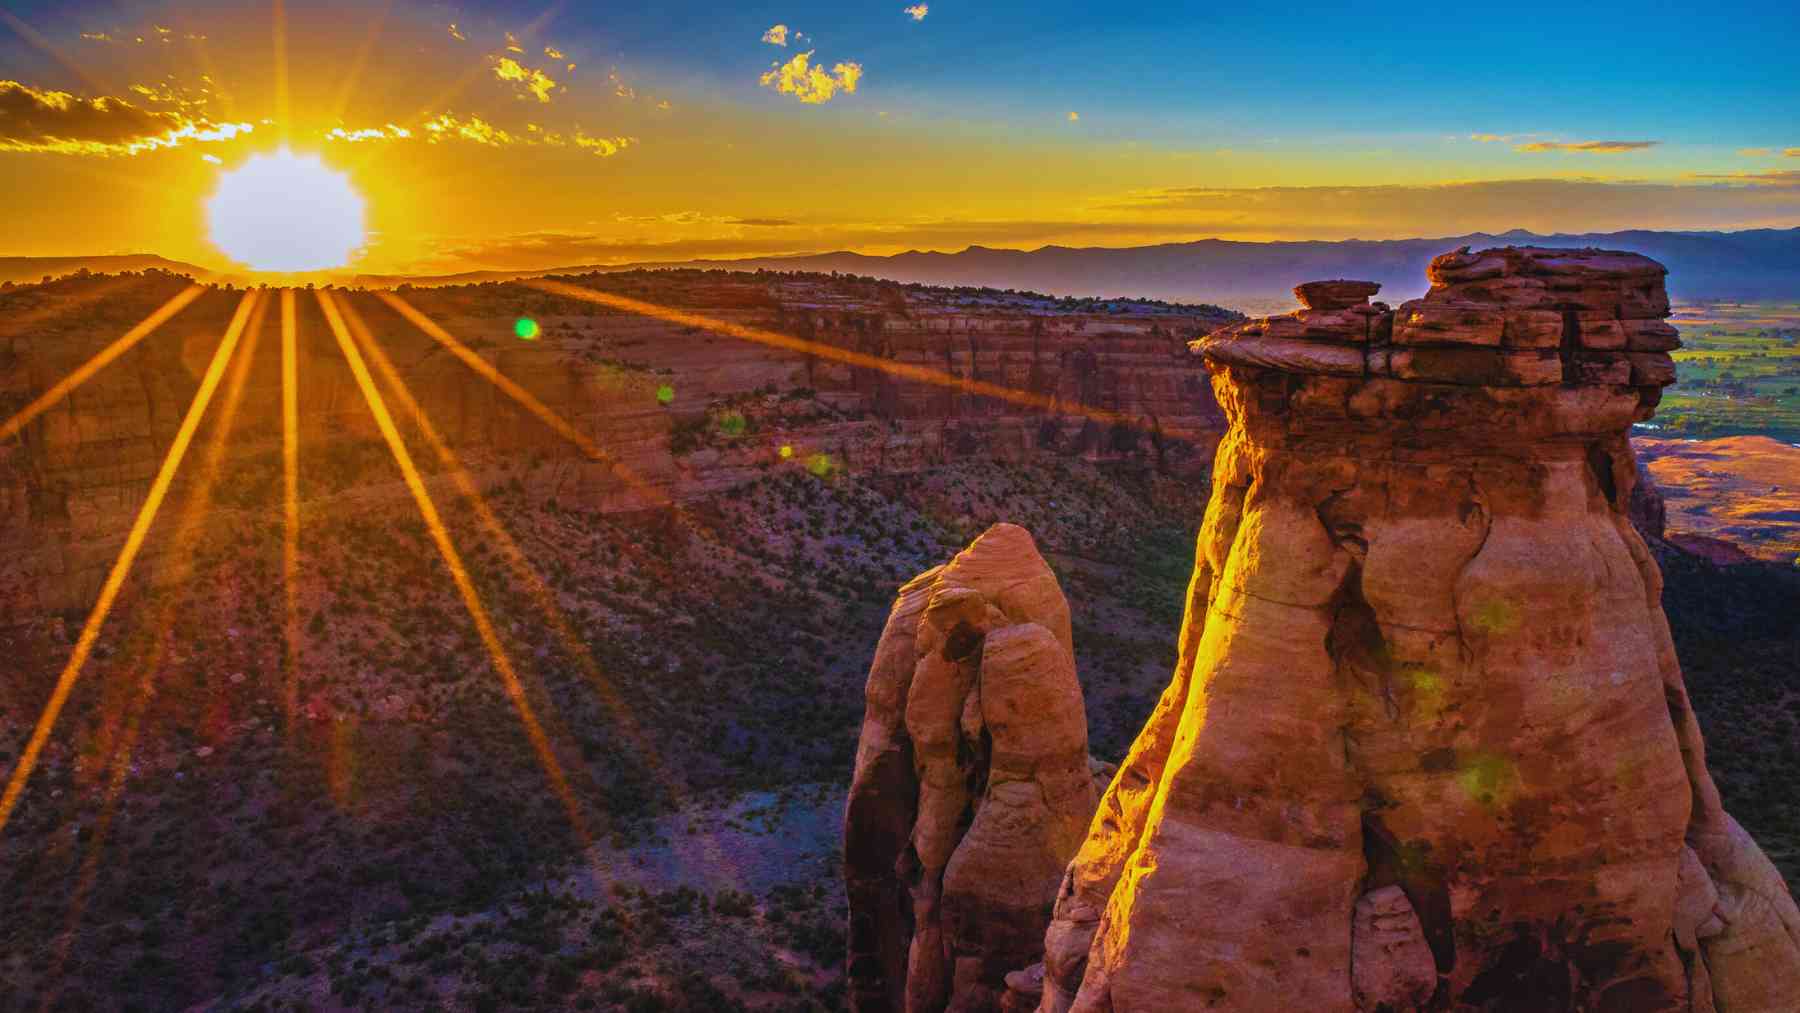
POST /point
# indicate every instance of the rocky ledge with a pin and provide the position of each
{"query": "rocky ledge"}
(1427, 746)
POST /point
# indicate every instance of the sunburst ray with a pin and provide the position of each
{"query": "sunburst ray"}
(459, 574)
(290, 506)
(180, 562)
(787, 342)
(61, 388)
(523, 397)
(121, 569)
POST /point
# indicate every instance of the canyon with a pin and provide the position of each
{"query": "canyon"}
(694, 627)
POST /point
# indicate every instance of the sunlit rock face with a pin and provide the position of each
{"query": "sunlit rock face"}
(1427, 746)
(972, 788)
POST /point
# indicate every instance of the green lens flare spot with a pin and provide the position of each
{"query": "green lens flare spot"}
(1488, 779)
(1495, 617)
(665, 394)
(732, 424)
(820, 465)
(526, 328)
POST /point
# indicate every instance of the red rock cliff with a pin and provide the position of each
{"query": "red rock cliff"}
(1428, 745)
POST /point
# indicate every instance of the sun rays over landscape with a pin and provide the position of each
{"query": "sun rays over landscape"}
(945, 507)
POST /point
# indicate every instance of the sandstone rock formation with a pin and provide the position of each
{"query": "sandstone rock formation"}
(1427, 746)
(972, 787)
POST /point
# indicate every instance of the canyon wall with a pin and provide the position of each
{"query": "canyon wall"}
(1427, 746)
(680, 412)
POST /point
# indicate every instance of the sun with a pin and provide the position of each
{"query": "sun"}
(286, 212)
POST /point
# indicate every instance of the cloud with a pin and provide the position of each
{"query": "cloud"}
(96, 37)
(1489, 138)
(811, 84)
(917, 11)
(1595, 147)
(391, 132)
(529, 79)
(1791, 152)
(1755, 152)
(605, 147)
(554, 53)
(1776, 177)
(1074, 117)
(777, 35)
(697, 218)
(512, 44)
(456, 33)
(476, 129)
(57, 122)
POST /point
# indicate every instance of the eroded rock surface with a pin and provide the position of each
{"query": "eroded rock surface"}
(972, 787)
(1425, 665)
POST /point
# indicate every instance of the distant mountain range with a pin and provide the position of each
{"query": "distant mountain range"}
(1752, 264)
(26, 270)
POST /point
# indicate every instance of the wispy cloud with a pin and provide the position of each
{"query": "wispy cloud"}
(605, 147)
(456, 33)
(39, 120)
(1594, 147)
(390, 132)
(810, 84)
(475, 130)
(917, 11)
(777, 35)
(554, 53)
(1774, 177)
(699, 218)
(1074, 117)
(1755, 152)
(528, 79)
(1791, 152)
(512, 44)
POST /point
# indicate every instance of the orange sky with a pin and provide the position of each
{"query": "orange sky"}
(483, 139)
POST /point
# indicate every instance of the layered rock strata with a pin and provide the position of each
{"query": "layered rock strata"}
(972, 787)
(1427, 746)
(71, 482)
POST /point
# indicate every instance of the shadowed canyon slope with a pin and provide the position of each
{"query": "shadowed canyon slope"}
(1428, 745)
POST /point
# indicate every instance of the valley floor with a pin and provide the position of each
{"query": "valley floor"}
(396, 843)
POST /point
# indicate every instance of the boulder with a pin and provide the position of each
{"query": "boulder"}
(1335, 295)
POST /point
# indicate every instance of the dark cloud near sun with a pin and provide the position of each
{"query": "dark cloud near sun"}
(41, 120)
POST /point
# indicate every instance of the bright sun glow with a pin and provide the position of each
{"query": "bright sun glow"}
(286, 212)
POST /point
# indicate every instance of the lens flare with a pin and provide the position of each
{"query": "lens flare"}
(526, 328)
(286, 212)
